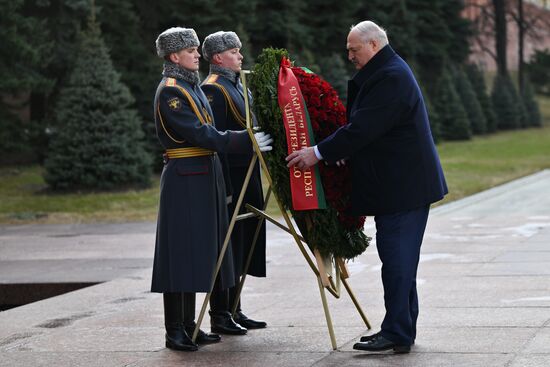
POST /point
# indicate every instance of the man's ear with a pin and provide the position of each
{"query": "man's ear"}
(174, 57)
(375, 44)
(217, 59)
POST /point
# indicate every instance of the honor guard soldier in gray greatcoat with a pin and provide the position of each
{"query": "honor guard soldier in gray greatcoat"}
(225, 93)
(192, 218)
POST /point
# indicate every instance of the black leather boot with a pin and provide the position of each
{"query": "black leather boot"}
(220, 318)
(189, 321)
(176, 336)
(243, 320)
(222, 323)
(240, 318)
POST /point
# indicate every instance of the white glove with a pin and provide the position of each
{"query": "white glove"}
(264, 140)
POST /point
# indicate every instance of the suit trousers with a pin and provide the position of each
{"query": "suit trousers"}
(398, 240)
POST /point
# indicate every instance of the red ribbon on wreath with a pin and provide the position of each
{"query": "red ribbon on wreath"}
(305, 186)
(327, 113)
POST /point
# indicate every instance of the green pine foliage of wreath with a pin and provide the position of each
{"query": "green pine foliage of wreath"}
(320, 228)
(263, 83)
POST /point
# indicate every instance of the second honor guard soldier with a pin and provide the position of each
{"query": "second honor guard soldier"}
(226, 96)
(192, 220)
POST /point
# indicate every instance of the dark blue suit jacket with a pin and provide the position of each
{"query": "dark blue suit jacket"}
(395, 166)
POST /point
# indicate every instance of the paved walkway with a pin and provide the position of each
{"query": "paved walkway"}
(484, 286)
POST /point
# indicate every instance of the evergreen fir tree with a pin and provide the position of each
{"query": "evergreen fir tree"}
(98, 140)
(246, 49)
(453, 120)
(279, 23)
(306, 58)
(470, 102)
(475, 75)
(523, 114)
(398, 19)
(23, 51)
(505, 105)
(537, 69)
(440, 34)
(435, 123)
(61, 22)
(334, 71)
(518, 102)
(328, 24)
(460, 30)
(531, 105)
(134, 58)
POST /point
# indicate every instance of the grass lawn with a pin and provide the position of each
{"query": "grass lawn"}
(470, 167)
(484, 162)
(24, 199)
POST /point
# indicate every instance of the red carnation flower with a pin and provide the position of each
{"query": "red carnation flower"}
(327, 113)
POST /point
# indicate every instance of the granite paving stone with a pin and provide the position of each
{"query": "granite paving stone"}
(483, 282)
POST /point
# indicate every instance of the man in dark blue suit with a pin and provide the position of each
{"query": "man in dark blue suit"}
(396, 173)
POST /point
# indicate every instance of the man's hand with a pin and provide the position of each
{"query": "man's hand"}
(303, 159)
(264, 141)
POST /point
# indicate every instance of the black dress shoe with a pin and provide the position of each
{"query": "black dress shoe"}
(243, 320)
(223, 323)
(366, 338)
(203, 337)
(378, 343)
(178, 339)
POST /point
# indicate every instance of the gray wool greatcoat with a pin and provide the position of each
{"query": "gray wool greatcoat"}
(227, 101)
(192, 219)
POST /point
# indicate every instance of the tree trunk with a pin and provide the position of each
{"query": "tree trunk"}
(500, 35)
(37, 106)
(521, 37)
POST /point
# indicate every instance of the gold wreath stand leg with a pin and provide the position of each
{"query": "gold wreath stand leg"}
(251, 252)
(323, 281)
(225, 243)
(341, 265)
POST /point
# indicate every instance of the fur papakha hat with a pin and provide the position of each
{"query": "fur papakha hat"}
(219, 42)
(175, 39)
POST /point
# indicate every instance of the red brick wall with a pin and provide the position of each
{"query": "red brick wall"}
(475, 10)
